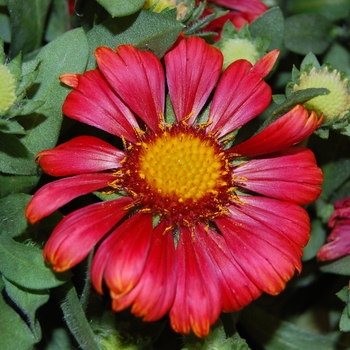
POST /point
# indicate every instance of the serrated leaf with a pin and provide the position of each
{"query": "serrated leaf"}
(15, 334)
(306, 33)
(28, 301)
(269, 25)
(26, 33)
(13, 221)
(121, 8)
(24, 265)
(146, 30)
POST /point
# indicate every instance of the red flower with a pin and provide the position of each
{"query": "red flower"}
(199, 227)
(241, 12)
(339, 239)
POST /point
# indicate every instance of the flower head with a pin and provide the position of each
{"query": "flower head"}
(240, 13)
(195, 224)
(338, 242)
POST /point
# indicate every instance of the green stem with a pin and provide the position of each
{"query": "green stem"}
(87, 286)
(75, 318)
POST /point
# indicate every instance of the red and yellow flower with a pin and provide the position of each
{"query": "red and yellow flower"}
(196, 223)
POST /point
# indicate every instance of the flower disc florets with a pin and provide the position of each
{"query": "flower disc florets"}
(180, 173)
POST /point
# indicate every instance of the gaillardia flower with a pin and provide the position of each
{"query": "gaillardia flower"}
(338, 242)
(196, 224)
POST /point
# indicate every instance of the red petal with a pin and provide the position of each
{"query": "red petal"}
(338, 242)
(93, 102)
(75, 236)
(254, 7)
(154, 294)
(197, 303)
(193, 68)
(236, 287)
(71, 80)
(240, 96)
(120, 259)
(83, 154)
(58, 193)
(266, 237)
(286, 131)
(138, 77)
(291, 175)
(263, 67)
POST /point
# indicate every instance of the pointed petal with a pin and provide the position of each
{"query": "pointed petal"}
(71, 80)
(138, 78)
(58, 193)
(264, 66)
(197, 303)
(192, 68)
(291, 175)
(93, 102)
(75, 236)
(83, 154)
(240, 96)
(266, 237)
(290, 129)
(121, 257)
(236, 288)
(154, 294)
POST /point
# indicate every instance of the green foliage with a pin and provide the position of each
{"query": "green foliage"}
(120, 8)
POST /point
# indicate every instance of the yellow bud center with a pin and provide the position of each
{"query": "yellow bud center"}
(333, 105)
(236, 49)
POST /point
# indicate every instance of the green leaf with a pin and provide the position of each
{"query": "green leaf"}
(333, 10)
(10, 184)
(216, 339)
(273, 333)
(66, 54)
(13, 221)
(58, 21)
(27, 24)
(146, 30)
(28, 301)
(5, 29)
(338, 267)
(271, 26)
(317, 239)
(120, 8)
(15, 334)
(306, 33)
(15, 158)
(59, 340)
(11, 127)
(335, 174)
(75, 317)
(24, 265)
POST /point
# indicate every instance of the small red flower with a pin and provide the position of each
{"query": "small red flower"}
(339, 239)
(240, 12)
(199, 227)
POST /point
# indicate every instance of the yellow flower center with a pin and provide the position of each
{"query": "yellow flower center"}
(334, 105)
(180, 172)
(182, 166)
